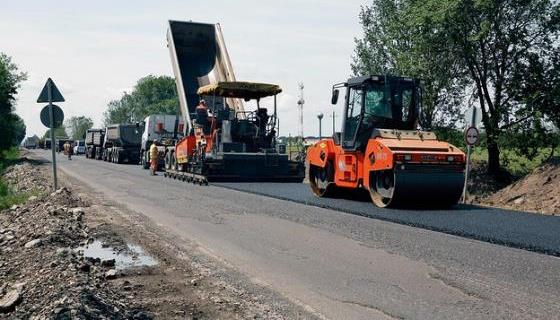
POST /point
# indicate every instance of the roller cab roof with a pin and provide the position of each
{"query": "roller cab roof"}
(240, 89)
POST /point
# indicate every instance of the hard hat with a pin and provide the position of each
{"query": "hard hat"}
(202, 101)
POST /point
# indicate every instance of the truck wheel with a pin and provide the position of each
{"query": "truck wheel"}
(118, 157)
(173, 162)
(168, 161)
(145, 162)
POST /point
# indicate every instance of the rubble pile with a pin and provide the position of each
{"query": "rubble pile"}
(42, 274)
(539, 191)
(25, 177)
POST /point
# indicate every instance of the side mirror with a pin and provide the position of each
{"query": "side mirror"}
(334, 98)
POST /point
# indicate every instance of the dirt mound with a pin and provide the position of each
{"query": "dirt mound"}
(539, 191)
(481, 184)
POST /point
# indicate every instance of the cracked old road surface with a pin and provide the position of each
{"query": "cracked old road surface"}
(338, 265)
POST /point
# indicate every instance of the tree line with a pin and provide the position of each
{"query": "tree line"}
(502, 56)
(150, 95)
(12, 127)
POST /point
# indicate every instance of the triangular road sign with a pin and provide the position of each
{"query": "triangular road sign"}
(55, 94)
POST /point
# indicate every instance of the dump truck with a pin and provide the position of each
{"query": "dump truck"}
(229, 143)
(31, 142)
(382, 150)
(94, 143)
(122, 143)
(166, 130)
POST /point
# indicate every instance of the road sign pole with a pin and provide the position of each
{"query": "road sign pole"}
(51, 115)
(468, 164)
(467, 173)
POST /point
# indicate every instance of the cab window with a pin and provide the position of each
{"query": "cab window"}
(376, 103)
(353, 114)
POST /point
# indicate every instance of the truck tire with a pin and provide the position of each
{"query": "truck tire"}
(168, 161)
(144, 161)
(173, 164)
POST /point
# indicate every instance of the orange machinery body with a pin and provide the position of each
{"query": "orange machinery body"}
(352, 168)
(188, 145)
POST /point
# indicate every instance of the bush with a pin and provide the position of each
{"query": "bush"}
(9, 197)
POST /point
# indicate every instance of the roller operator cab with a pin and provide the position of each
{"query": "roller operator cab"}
(381, 149)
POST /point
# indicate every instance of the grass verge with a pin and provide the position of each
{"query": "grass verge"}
(8, 196)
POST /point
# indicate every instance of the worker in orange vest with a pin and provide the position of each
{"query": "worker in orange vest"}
(154, 158)
(68, 149)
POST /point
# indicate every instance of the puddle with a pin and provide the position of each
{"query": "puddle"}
(131, 258)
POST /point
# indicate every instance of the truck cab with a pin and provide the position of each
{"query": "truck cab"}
(166, 129)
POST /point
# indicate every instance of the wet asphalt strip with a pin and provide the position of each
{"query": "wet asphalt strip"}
(533, 232)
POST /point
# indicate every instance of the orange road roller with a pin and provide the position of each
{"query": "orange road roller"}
(382, 150)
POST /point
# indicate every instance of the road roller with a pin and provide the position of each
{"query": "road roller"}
(382, 149)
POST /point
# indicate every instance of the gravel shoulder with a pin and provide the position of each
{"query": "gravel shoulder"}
(45, 274)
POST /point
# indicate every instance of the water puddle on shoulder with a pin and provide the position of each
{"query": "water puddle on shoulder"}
(133, 257)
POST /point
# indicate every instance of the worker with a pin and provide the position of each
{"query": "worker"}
(153, 157)
(201, 113)
(68, 149)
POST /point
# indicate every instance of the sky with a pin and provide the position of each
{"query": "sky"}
(96, 50)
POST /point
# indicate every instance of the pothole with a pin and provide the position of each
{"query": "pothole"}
(131, 257)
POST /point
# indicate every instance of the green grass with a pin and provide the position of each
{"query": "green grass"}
(9, 197)
(516, 164)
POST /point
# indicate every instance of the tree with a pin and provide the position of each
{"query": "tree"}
(58, 132)
(11, 125)
(537, 88)
(389, 47)
(150, 95)
(494, 39)
(78, 126)
(19, 130)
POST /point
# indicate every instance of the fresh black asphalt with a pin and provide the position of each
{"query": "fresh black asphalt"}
(522, 230)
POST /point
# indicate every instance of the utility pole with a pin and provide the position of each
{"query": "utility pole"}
(333, 116)
(300, 103)
(320, 117)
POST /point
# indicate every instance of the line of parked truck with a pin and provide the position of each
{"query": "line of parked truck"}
(129, 143)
